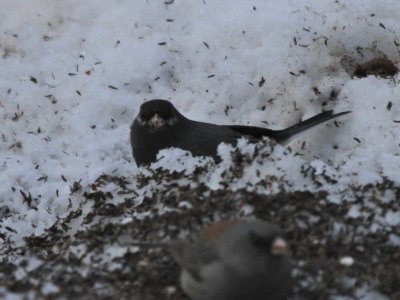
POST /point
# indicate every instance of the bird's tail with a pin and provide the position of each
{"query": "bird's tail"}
(285, 135)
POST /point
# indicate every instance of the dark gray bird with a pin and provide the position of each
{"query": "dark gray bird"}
(159, 125)
(233, 260)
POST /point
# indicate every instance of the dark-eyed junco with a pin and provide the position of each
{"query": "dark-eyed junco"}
(159, 125)
(234, 260)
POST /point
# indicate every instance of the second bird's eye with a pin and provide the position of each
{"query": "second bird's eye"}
(260, 241)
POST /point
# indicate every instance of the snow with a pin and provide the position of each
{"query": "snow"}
(346, 261)
(75, 73)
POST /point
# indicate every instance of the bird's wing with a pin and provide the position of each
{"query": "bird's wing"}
(193, 255)
(253, 132)
(202, 139)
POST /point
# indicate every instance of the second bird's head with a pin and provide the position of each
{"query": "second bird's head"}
(158, 114)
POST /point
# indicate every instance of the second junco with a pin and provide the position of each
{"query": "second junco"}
(159, 125)
(234, 260)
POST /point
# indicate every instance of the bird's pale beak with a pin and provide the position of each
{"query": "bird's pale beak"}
(156, 121)
(279, 247)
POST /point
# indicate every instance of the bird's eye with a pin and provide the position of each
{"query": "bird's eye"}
(260, 241)
(172, 121)
(140, 119)
(274, 245)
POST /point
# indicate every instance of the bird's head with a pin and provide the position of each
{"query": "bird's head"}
(158, 114)
(273, 244)
(266, 239)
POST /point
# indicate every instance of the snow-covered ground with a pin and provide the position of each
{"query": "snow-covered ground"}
(74, 73)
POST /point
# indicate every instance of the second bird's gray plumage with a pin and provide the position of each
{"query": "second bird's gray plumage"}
(233, 261)
(201, 139)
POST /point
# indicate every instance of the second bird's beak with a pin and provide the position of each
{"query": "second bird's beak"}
(279, 247)
(156, 121)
